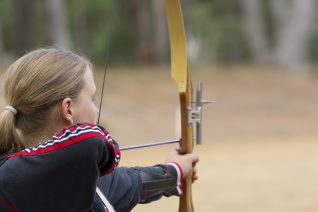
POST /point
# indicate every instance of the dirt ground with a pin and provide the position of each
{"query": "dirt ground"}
(259, 150)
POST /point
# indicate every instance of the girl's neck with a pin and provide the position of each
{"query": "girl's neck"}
(39, 137)
(32, 139)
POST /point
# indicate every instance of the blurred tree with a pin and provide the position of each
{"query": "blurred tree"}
(218, 31)
(289, 35)
(3, 42)
(78, 18)
(4, 55)
(160, 28)
(2, 52)
(255, 27)
(149, 18)
(58, 24)
(295, 26)
(144, 46)
(23, 27)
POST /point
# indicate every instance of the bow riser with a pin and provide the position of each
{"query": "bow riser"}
(186, 146)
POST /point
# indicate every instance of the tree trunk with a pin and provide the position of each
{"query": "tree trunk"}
(2, 53)
(281, 10)
(23, 25)
(58, 27)
(81, 40)
(254, 19)
(160, 30)
(4, 57)
(293, 34)
(145, 41)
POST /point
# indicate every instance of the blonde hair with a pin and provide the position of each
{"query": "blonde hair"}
(33, 85)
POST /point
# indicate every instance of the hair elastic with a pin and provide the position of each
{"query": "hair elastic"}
(11, 109)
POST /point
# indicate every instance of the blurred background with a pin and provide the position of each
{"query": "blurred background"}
(256, 58)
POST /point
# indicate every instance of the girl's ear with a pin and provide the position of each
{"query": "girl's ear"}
(67, 110)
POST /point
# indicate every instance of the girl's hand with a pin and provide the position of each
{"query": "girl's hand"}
(187, 163)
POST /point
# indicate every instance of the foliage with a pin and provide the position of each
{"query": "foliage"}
(99, 27)
(220, 26)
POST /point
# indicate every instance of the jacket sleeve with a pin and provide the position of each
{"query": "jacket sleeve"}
(126, 187)
(59, 175)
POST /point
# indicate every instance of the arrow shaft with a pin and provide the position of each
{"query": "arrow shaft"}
(150, 144)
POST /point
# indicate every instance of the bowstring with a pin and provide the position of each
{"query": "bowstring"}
(108, 47)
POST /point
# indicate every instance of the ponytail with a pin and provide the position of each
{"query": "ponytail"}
(33, 85)
(10, 140)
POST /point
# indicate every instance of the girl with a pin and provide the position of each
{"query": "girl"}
(52, 155)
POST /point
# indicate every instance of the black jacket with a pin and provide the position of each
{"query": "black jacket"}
(62, 175)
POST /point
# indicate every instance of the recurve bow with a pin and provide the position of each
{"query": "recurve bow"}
(181, 74)
(190, 110)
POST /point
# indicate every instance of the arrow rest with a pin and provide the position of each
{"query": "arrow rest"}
(195, 113)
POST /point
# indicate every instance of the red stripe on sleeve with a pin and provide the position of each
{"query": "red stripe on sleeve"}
(57, 146)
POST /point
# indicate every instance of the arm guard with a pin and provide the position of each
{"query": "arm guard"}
(161, 180)
(126, 187)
